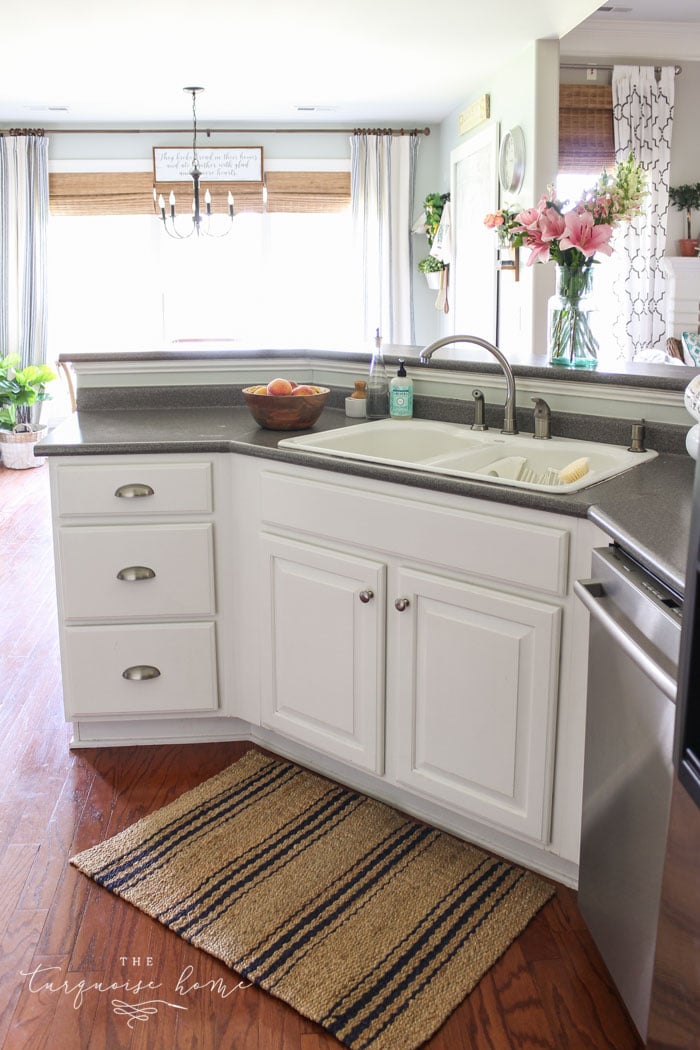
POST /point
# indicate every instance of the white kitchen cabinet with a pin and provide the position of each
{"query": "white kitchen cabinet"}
(136, 569)
(472, 666)
(475, 696)
(323, 649)
(271, 615)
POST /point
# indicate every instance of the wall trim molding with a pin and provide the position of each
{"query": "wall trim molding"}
(658, 41)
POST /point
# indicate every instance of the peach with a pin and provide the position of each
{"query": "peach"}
(279, 387)
(305, 390)
(259, 390)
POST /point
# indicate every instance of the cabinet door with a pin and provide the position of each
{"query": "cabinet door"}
(324, 625)
(475, 706)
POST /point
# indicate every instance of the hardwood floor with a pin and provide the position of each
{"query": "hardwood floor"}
(57, 929)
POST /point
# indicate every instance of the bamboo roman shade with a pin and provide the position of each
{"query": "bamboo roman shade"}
(131, 193)
(100, 193)
(307, 191)
(585, 128)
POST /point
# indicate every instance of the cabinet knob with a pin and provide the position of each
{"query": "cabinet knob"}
(136, 572)
(140, 673)
(133, 491)
(366, 596)
(401, 604)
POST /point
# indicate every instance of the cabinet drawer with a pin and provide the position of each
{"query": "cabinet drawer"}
(147, 571)
(514, 552)
(134, 488)
(95, 659)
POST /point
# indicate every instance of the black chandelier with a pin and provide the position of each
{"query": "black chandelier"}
(178, 226)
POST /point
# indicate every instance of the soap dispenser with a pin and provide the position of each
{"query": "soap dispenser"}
(401, 394)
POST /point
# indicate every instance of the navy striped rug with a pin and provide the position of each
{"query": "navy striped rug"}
(366, 921)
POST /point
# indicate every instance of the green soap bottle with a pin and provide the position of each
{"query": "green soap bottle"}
(401, 394)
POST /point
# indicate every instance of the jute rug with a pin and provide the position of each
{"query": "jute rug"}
(364, 920)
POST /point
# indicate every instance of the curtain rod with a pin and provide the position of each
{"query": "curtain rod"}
(596, 65)
(224, 131)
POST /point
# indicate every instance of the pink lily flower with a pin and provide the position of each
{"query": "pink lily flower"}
(539, 249)
(552, 224)
(528, 219)
(581, 233)
(539, 253)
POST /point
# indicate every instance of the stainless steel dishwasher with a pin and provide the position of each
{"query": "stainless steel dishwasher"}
(635, 628)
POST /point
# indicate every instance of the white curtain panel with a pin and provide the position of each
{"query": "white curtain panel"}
(24, 212)
(643, 121)
(382, 186)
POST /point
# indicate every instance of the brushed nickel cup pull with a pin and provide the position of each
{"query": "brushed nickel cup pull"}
(401, 604)
(366, 596)
(136, 572)
(134, 491)
(141, 673)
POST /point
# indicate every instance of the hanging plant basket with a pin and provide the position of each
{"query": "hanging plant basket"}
(17, 446)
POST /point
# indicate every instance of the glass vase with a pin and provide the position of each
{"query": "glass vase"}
(570, 320)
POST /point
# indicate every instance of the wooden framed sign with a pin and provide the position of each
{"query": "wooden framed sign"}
(216, 163)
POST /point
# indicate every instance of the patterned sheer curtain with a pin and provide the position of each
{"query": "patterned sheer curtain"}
(382, 184)
(24, 211)
(642, 122)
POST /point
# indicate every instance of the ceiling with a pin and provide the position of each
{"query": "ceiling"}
(97, 62)
(652, 10)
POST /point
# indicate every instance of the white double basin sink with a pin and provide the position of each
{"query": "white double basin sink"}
(453, 449)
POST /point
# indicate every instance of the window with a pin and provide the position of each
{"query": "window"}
(118, 282)
(103, 292)
(586, 138)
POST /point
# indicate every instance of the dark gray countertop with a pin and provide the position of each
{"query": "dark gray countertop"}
(646, 510)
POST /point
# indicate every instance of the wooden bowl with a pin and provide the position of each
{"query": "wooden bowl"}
(285, 411)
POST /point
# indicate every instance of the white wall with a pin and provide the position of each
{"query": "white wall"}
(524, 92)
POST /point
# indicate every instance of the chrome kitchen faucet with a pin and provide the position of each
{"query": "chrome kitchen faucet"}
(427, 352)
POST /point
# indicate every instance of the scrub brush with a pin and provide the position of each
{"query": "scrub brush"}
(573, 471)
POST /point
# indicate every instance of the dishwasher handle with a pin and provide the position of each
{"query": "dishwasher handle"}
(628, 637)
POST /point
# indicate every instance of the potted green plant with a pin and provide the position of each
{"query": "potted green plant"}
(20, 390)
(432, 209)
(687, 198)
(431, 267)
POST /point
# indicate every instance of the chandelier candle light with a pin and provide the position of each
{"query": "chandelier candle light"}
(200, 224)
(570, 236)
